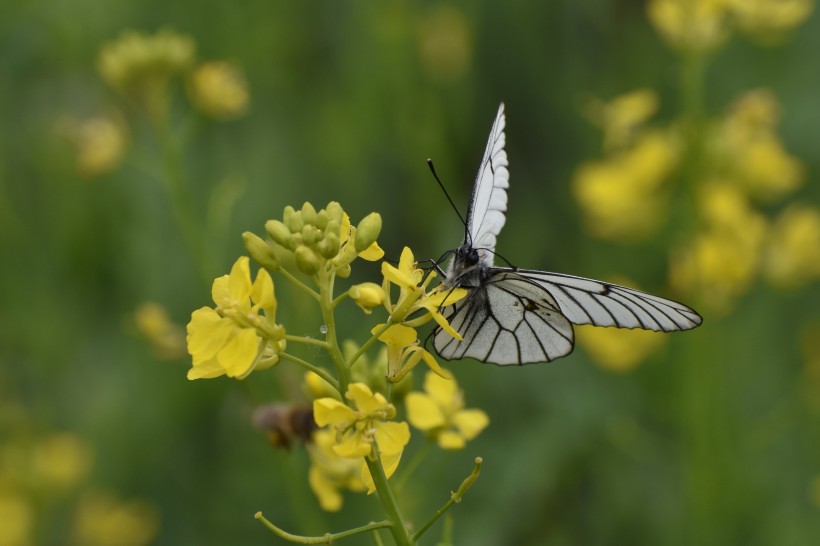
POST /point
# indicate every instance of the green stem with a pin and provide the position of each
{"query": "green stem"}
(175, 185)
(454, 498)
(397, 528)
(369, 343)
(414, 462)
(325, 302)
(299, 284)
(315, 369)
(307, 340)
(327, 538)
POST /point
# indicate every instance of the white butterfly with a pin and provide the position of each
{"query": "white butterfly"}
(523, 316)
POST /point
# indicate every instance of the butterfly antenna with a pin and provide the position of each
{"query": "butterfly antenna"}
(450, 199)
(494, 253)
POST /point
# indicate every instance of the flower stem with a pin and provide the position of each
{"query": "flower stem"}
(299, 284)
(367, 344)
(397, 528)
(327, 538)
(307, 340)
(454, 498)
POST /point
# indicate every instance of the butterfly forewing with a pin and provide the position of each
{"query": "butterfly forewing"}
(508, 320)
(488, 203)
(587, 301)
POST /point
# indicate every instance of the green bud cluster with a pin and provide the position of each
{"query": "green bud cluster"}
(312, 236)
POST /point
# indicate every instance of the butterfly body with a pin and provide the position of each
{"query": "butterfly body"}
(523, 316)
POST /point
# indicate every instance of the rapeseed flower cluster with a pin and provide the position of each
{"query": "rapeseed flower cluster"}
(363, 405)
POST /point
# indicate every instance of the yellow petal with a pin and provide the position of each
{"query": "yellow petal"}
(372, 253)
(364, 399)
(239, 280)
(329, 498)
(470, 422)
(450, 440)
(441, 321)
(206, 370)
(207, 334)
(391, 436)
(389, 463)
(443, 391)
(397, 335)
(327, 411)
(344, 231)
(433, 364)
(262, 291)
(239, 354)
(423, 412)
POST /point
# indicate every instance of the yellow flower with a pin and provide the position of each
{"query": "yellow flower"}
(329, 473)
(233, 338)
(358, 429)
(618, 350)
(793, 251)
(18, 516)
(404, 353)
(445, 43)
(621, 116)
(62, 460)
(104, 520)
(219, 90)
(413, 296)
(747, 144)
(134, 60)
(153, 322)
(440, 412)
(721, 262)
(101, 144)
(695, 25)
(768, 20)
(623, 196)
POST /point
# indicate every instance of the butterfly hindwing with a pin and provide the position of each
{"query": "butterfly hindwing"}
(488, 203)
(507, 320)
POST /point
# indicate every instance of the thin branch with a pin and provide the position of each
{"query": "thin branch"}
(454, 498)
(327, 538)
(321, 372)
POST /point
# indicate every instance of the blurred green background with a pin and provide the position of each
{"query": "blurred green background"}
(712, 439)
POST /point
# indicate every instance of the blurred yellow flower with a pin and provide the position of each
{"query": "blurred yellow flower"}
(623, 196)
(792, 255)
(219, 90)
(135, 60)
(445, 43)
(720, 263)
(690, 25)
(439, 412)
(768, 20)
(104, 520)
(358, 429)
(233, 338)
(329, 473)
(17, 517)
(166, 337)
(100, 145)
(621, 116)
(748, 145)
(618, 350)
(61, 460)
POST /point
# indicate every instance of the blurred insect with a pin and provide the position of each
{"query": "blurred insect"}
(285, 423)
(523, 316)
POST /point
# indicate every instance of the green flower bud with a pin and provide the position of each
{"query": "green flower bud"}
(368, 231)
(307, 260)
(311, 234)
(329, 246)
(335, 212)
(308, 214)
(322, 219)
(279, 232)
(260, 251)
(333, 227)
(293, 219)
